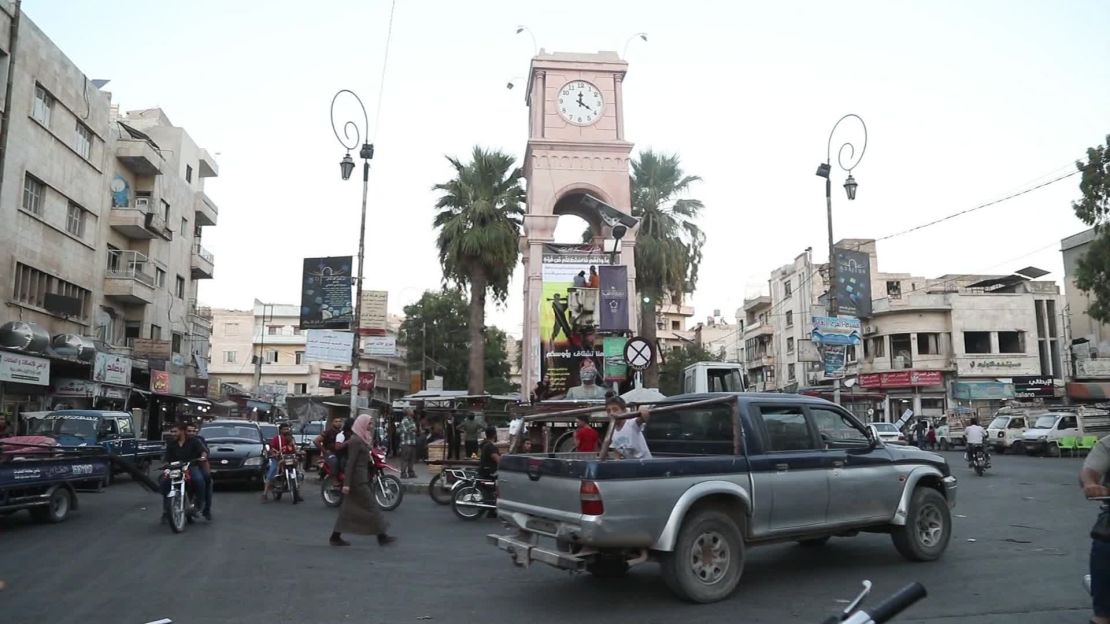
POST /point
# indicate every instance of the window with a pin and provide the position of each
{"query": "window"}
(789, 345)
(789, 318)
(229, 357)
(166, 211)
(271, 356)
(705, 431)
(75, 220)
(934, 405)
(82, 140)
(901, 351)
(231, 329)
(977, 342)
(786, 428)
(131, 331)
(878, 346)
(790, 372)
(124, 425)
(928, 344)
(179, 287)
(176, 342)
(850, 353)
(836, 429)
(299, 357)
(894, 290)
(1016, 423)
(786, 289)
(1068, 422)
(273, 330)
(300, 388)
(676, 325)
(34, 192)
(31, 286)
(184, 226)
(1011, 342)
(189, 173)
(159, 278)
(43, 106)
(155, 332)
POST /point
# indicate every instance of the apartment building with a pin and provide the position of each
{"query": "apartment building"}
(671, 320)
(99, 251)
(1088, 340)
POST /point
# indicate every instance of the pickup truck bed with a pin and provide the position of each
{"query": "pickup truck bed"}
(742, 470)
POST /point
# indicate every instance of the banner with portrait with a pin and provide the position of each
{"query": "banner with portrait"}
(569, 316)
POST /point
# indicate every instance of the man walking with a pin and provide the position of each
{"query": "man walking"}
(471, 428)
(407, 433)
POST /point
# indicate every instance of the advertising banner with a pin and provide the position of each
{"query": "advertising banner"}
(150, 348)
(341, 380)
(616, 369)
(569, 340)
(196, 387)
(374, 315)
(160, 382)
(840, 330)
(834, 361)
(982, 390)
(614, 298)
(326, 293)
(853, 283)
(25, 369)
(1034, 387)
(380, 345)
(113, 369)
(901, 379)
(326, 345)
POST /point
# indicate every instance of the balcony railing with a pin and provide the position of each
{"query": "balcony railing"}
(203, 253)
(128, 264)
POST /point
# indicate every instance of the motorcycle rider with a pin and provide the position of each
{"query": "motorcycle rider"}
(192, 431)
(282, 444)
(976, 436)
(325, 443)
(489, 456)
(182, 448)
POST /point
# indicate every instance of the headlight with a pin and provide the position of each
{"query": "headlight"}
(1043, 438)
(253, 461)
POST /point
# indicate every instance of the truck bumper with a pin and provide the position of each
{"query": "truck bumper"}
(950, 488)
(524, 551)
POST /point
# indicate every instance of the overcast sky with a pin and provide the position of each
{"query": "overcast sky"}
(965, 102)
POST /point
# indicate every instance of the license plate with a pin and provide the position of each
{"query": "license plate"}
(543, 526)
(174, 474)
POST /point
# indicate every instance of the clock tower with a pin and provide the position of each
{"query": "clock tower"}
(576, 146)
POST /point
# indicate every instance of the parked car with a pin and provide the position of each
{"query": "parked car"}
(727, 473)
(115, 431)
(887, 432)
(1049, 430)
(236, 450)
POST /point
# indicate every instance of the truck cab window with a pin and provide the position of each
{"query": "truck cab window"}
(1068, 422)
(836, 429)
(787, 429)
(705, 431)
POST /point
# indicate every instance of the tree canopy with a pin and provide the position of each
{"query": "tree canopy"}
(1093, 268)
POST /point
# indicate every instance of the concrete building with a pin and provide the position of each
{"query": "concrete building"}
(1088, 340)
(103, 215)
(759, 344)
(671, 320)
(721, 338)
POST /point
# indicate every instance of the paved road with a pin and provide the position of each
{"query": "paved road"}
(112, 562)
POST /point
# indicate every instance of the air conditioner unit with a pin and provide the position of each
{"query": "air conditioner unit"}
(869, 329)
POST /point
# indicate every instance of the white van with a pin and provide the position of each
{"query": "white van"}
(1006, 430)
(1044, 433)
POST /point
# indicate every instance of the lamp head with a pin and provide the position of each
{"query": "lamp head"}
(346, 166)
(850, 186)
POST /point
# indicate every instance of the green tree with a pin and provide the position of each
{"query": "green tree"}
(498, 368)
(1092, 272)
(479, 215)
(668, 241)
(670, 378)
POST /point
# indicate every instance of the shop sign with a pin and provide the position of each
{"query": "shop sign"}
(326, 345)
(373, 315)
(995, 366)
(150, 348)
(901, 379)
(616, 369)
(341, 380)
(1034, 387)
(25, 369)
(196, 387)
(108, 392)
(836, 330)
(112, 369)
(380, 345)
(66, 387)
(982, 390)
(160, 382)
(834, 361)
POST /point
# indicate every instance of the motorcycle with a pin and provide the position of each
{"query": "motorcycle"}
(885, 611)
(387, 488)
(442, 486)
(979, 460)
(474, 497)
(288, 478)
(184, 505)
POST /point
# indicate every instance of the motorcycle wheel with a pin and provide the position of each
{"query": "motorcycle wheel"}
(467, 494)
(330, 492)
(292, 487)
(388, 492)
(978, 469)
(177, 514)
(439, 490)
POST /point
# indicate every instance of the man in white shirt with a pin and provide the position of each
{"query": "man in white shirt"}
(975, 436)
(515, 427)
(628, 437)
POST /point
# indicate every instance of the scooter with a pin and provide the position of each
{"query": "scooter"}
(474, 497)
(885, 611)
(387, 488)
(443, 485)
(183, 500)
(979, 459)
(288, 478)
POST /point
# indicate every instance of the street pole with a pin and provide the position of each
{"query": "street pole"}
(832, 310)
(347, 165)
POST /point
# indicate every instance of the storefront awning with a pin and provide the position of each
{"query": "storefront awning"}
(1089, 390)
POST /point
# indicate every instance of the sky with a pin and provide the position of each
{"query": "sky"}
(965, 103)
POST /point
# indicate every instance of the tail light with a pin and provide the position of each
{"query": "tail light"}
(591, 499)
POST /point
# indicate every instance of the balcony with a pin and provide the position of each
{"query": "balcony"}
(759, 329)
(139, 157)
(200, 318)
(761, 361)
(138, 224)
(203, 263)
(127, 280)
(208, 167)
(206, 209)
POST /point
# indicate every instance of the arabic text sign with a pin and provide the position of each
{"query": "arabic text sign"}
(342, 379)
(325, 345)
(834, 361)
(68, 387)
(26, 369)
(901, 379)
(379, 345)
(374, 309)
(113, 369)
(326, 293)
(838, 330)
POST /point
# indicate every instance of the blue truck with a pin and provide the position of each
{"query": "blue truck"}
(45, 480)
(114, 431)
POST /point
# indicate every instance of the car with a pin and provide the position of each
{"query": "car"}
(305, 435)
(236, 450)
(888, 433)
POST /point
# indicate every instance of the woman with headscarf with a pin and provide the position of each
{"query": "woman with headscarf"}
(359, 513)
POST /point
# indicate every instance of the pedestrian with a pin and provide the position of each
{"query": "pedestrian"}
(451, 431)
(471, 429)
(1094, 478)
(380, 439)
(516, 427)
(931, 437)
(585, 437)
(407, 433)
(359, 513)
(580, 280)
(920, 429)
(595, 279)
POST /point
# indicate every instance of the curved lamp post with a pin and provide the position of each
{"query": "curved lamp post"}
(641, 36)
(350, 140)
(847, 163)
(535, 47)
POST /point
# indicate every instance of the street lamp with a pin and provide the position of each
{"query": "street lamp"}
(641, 36)
(346, 167)
(535, 46)
(850, 185)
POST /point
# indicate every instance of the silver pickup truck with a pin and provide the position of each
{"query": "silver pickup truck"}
(728, 471)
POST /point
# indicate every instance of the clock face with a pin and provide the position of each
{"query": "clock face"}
(580, 103)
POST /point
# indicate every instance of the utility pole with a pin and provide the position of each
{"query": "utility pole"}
(261, 350)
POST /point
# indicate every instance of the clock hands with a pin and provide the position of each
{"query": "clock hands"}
(581, 103)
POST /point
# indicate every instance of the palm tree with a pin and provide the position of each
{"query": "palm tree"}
(479, 217)
(669, 242)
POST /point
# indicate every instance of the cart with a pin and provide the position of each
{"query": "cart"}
(44, 479)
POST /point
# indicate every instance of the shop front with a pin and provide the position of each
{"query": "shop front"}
(984, 397)
(167, 403)
(921, 391)
(24, 386)
(1089, 391)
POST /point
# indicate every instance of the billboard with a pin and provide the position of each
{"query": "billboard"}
(326, 345)
(374, 315)
(326, 293)
(569, 302)
(840, 330)
(341, 380)
(853, 283)
(614, 298)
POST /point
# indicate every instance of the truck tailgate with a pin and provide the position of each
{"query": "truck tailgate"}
(542, 486)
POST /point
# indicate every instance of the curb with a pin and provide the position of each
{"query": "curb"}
(415, 488)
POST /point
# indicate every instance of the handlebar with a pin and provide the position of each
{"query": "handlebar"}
(897, 603)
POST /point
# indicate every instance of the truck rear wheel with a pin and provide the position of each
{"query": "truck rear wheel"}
(928, 527)
(708, 557)
(56, 508)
